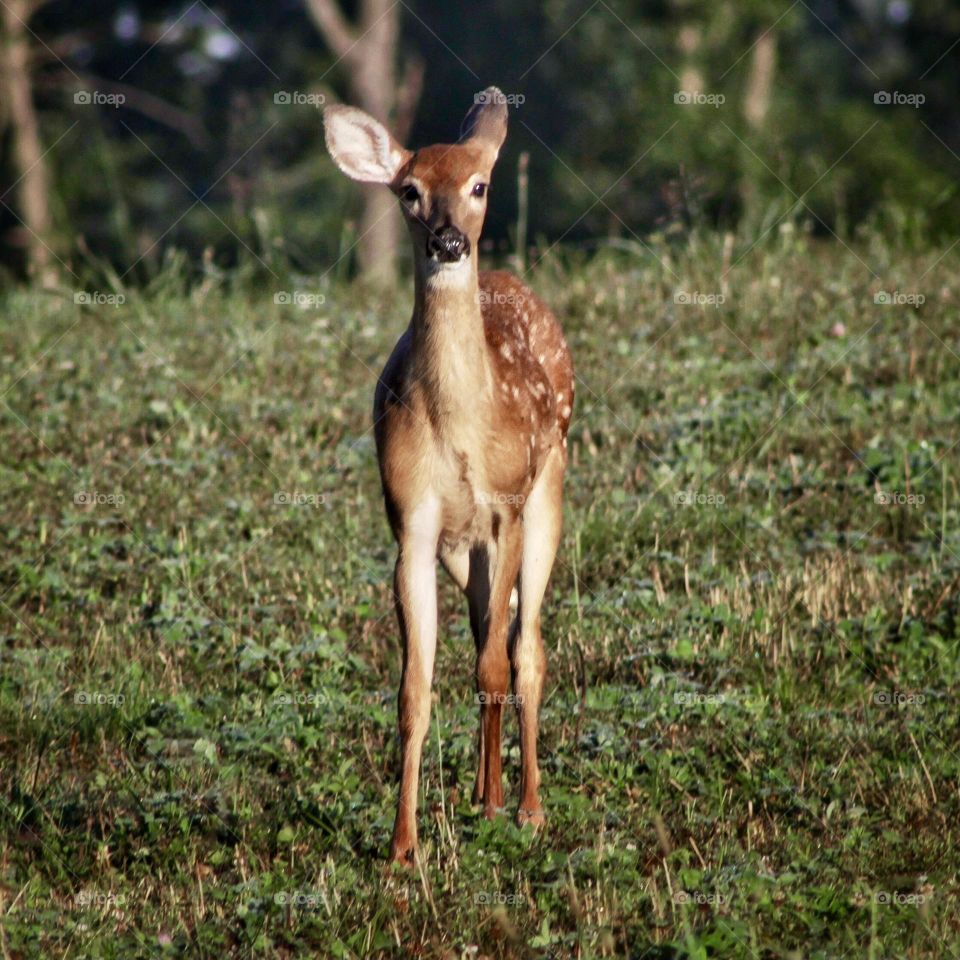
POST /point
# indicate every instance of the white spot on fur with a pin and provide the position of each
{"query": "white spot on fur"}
(541, 358)
(516, 392)
(506, 352)
(565, 412)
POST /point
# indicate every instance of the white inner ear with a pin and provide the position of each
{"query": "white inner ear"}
(361, 147)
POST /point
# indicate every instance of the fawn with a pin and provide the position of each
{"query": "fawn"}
(470, 417)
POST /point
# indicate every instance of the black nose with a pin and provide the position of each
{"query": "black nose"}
(447, 245)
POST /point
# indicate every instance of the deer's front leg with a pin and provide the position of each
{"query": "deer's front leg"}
(493, 665)
(415, 589)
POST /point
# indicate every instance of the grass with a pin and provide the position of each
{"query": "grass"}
(750, 730)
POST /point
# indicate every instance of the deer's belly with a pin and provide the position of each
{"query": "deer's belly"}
(475, 498)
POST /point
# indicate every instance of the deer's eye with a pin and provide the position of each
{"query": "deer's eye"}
(409, 193)
(479, 190)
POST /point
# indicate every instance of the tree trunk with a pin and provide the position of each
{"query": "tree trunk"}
(689, 39)
(373, 79)
(763, 65)
(756, 106)
(369, 51)
(33, 180)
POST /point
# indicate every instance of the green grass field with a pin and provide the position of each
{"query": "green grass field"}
(749, 738)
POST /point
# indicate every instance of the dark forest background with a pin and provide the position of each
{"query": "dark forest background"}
(162, 126)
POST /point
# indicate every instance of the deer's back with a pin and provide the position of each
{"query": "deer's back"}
(513, 315)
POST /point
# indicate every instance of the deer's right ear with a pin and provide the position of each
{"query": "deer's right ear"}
(361, 146)
(486, 121)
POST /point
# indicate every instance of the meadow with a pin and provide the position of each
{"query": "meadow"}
(749, 739)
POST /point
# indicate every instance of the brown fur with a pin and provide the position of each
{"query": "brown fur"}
(410, 420)
(471, 416)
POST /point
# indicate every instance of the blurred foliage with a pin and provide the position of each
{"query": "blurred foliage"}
(219, 165)
(826, 150)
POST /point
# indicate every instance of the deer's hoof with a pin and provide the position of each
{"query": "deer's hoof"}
(403, 855)
(533, 817)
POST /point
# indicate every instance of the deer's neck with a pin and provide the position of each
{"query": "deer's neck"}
(449, 346)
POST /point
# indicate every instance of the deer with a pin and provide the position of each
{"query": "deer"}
(470, 415)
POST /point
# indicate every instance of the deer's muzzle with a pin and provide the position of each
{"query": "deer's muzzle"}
(448, 245)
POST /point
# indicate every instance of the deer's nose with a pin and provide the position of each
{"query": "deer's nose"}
(447, 245)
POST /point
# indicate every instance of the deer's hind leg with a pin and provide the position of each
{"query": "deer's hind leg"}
(492, 583)
(457, 564)
(472, 569)
(542, 517)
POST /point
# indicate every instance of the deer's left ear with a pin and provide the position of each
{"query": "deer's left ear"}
(486, 121)
(361, 146)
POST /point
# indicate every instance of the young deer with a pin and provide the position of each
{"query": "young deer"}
(470, 416)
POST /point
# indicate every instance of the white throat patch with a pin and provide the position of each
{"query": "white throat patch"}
(448, 274)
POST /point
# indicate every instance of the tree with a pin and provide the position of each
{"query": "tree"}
(30, 164)
(369, 52)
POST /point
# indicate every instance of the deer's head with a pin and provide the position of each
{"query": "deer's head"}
(442, 188)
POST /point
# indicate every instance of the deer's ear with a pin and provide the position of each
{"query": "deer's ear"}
(361, 146)
(486, 120)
